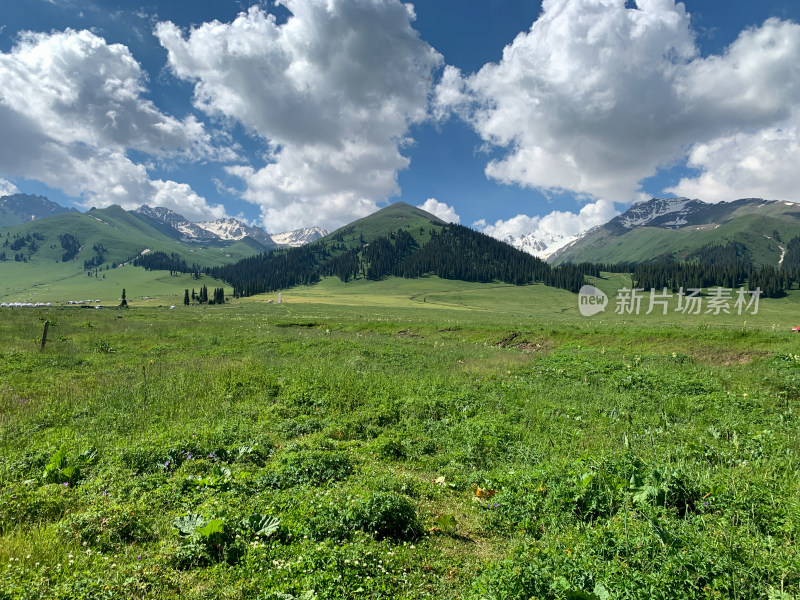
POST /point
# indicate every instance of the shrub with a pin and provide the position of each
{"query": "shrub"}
(386, 515)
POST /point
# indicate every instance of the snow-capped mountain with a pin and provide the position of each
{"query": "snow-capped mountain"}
(299, 237)
(227, 229)
(188, 230)
(539, 243)
(233, 229)
(667, 213)
(692, 224)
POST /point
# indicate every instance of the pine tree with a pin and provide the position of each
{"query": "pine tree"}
(186, 297)
(124, 303)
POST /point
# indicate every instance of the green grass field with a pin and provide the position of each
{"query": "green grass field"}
(400, 439)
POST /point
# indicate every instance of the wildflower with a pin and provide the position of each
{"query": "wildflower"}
(138, 558)
(65, 484)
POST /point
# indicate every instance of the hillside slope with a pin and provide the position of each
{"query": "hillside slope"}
(401, 241)
(671, 229)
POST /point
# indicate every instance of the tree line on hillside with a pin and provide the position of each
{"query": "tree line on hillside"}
(454, 252)
(457, 252)
(172, 262)
(727, 266)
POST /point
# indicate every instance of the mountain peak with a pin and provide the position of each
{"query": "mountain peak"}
(299, 237)
(185, 228)
(229, 228)
(17, 209)
(668, 213)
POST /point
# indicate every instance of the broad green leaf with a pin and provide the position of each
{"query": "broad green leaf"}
(188, 524)
(210, 528)
(263, 525)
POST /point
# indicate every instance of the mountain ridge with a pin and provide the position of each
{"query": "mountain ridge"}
(671, 228)
(17, 209)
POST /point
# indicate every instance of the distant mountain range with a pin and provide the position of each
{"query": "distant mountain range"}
(672, 228)
(540, 244)
(20, 209)
(299, 237)
(24, 208)
(660, 229)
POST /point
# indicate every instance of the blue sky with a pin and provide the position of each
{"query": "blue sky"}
(510, 116)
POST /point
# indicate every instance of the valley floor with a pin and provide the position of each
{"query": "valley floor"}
(411, 439)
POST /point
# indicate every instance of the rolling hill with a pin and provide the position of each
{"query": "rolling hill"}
(671, 229)
(58, 252)
(401, 241)
(109, 236)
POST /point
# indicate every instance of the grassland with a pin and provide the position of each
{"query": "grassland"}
(403, 439)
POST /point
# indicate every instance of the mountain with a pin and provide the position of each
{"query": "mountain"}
(233, 229)
(540, 244)
(397, 241)
(183, 228)
(24, 208)
(110, 236)
(673, 228)
(219, 231)
(299, 237)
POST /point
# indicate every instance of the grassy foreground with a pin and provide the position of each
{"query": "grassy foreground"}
(425, 439)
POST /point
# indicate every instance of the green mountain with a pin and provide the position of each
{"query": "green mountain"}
(673, 229)
(24, 208)
(397, 241)
(107, 237)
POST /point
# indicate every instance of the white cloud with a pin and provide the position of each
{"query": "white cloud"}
(554, 225)
(182, 199)
(71, 108)
(7, 188)
(762, 164)
(596, 96)
(332, 92)
(444, 211)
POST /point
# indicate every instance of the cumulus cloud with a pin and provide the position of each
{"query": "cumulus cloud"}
(331, 92)
(552, 226)
(762, 164)
(73, 106)
(7, 188)
(597, 95)
(442, 210)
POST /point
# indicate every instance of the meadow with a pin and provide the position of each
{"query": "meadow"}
(399, 439)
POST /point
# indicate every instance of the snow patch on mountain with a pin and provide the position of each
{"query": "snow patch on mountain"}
(233, 229)
(299, 237)
(668, 213)
(190, 231)
(539, 243)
